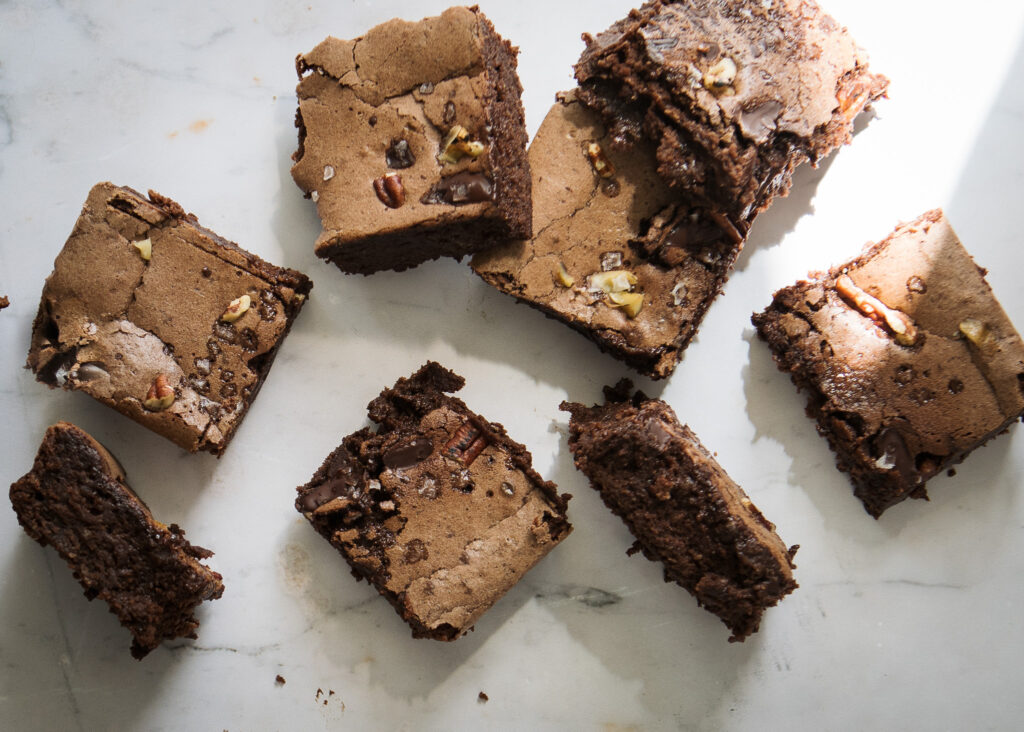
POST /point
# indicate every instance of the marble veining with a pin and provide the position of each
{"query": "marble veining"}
(903, 623)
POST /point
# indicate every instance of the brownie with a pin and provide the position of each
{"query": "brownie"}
(161, 319)
(76, 499)
(617, 255)
(735, 94)
(4, 302)
(681, 506)
(437, 508)
(412, 142)
(907, 358)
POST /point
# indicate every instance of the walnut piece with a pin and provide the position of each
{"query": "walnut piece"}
(145, 247)
(236, 309)
(721, 76)
(160, 395)
(389, 190)
(614, 280)
(602, 166)
(563, 277)
(457, 145)
(630, 302)
(898, 323)
(975, 331)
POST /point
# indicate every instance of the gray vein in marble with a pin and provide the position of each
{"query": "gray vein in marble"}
(209, 40)
(65, 659)
(252, 652)
(592, 597)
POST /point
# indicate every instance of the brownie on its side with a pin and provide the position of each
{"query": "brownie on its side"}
(412, 142)
(77, 500)
(617, 255)
(438, 509)
(908, 360)
(683, 509)
(735, 94)
(161, 319)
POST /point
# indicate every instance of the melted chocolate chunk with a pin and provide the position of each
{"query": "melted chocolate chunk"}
(465, 187)
(408, 452)
(343, 477)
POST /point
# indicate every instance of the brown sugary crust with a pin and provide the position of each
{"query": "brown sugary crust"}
(438, 508)
(735, 94)
(358, 98)
(110, 321)
(896, 415)
(76, 500)
(681, 506)
(680, 253)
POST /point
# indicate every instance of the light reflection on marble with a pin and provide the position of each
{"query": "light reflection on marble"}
(908, 622)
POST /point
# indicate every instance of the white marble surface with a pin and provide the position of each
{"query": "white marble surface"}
(910, 622)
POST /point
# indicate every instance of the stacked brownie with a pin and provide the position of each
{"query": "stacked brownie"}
(689, 119)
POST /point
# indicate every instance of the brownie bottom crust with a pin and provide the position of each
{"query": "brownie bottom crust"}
(683, 509)
(76, 500)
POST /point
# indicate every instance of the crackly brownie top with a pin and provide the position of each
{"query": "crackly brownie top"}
(735, 76)
(439, 508)
(76, 499)
(381, 107)
(906, 345)
(602, 213)
(140, 291)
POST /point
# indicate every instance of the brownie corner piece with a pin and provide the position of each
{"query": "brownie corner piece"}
(437, 508)
(617, 255)
(161, 319)
(681, 506)
(908, 360)
(735, 94)
(76, 499)
(413, 155)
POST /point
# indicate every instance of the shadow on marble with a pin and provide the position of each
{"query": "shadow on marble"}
(620, 609)
(361, 631)
(74, 665)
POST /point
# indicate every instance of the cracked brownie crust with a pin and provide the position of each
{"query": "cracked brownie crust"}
(76, 499)
(908, 359)
(600, 211)
(161, 319)
(735, 94)
(438, 508)
(412, 142)
(681, 506)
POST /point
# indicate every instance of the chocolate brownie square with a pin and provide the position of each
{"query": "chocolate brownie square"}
(412, 142)
(76, 499)
(681, 506)
(735, 94)
(907, 358)
(617, 255)
(161, 319)
(437, 508)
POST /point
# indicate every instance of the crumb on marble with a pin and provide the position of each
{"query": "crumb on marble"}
(482, 698)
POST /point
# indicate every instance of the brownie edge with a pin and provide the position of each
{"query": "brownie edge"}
(682, 507)
(438, 508)
(76, 499)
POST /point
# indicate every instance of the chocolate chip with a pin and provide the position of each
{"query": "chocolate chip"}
(399, 155)
(91, 371)
(426, 88)
(415, 551)
(408, 452)
(465, 187)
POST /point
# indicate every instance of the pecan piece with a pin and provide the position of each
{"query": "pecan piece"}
(389, 190)
(898, 323)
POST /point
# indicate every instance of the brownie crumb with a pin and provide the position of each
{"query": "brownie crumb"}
(482, 698)
(280, 680)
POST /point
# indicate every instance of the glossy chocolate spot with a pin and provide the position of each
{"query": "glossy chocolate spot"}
(656, 432)
(759, 122)
(399, 155)
(342, 476)
(408, 452)
(461, 188)
(893, 454)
